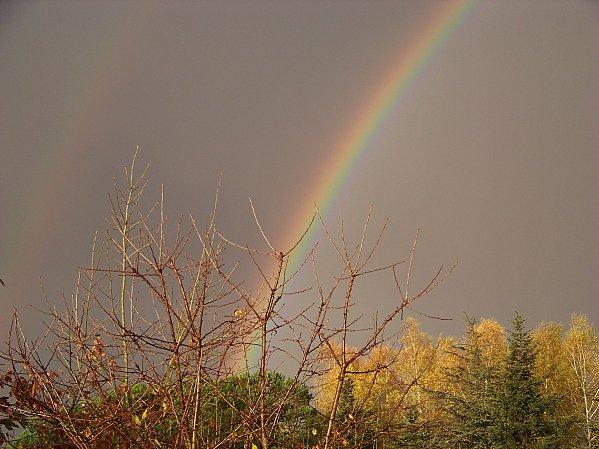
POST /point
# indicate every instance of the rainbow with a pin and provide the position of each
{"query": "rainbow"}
(368, 123)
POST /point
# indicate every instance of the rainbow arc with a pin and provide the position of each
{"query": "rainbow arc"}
(368, 123)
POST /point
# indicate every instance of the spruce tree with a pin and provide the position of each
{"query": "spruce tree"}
(471, 399)
(526, 416)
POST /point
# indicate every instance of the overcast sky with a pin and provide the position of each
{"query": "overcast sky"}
(493, 153)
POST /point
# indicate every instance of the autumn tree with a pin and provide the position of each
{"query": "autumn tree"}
(492, 339)
(582, 351)
(551, 364)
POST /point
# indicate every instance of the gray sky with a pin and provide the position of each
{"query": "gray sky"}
(493, 153)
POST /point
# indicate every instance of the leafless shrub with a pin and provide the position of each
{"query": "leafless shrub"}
(150, 350)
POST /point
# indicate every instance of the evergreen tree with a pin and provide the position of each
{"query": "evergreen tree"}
(471, 398)
(526, 415)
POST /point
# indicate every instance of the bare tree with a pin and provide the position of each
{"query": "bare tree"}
(152, 348)
(380, 332)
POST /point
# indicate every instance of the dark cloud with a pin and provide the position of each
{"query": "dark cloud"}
(493, 152)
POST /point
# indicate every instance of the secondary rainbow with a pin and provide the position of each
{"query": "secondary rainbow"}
(46, 203)
(368, 123)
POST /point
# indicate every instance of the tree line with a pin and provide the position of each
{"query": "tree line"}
(151, 351)
(492, 388)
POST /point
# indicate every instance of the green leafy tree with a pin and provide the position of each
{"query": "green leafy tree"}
(230, 417)
(291, 420)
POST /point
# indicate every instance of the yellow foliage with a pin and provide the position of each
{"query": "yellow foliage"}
(493, 341)
(551, 363)
(395, 381)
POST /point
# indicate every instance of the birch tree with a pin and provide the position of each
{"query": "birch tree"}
(582, 348)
